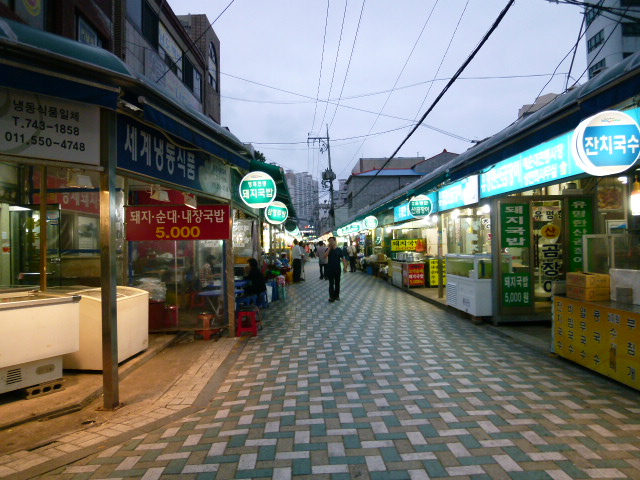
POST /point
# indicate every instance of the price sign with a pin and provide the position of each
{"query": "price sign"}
(276, 213)
(208, 222)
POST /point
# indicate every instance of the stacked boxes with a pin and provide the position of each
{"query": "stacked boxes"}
(589, 287)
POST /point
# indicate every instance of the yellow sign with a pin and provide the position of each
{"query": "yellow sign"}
(404, 245)
(433, 272)
(600, 338)
(550, 230)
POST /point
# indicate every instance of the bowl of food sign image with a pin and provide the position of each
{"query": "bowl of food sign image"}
(607, 143)
(257, 190)
(276, 213)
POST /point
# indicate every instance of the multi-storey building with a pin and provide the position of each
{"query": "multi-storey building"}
(613, 32)
(304, 194)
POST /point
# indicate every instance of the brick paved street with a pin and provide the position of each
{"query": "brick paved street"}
(381, 385)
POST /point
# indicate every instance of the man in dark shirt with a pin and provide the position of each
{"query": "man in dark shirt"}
(334, 257)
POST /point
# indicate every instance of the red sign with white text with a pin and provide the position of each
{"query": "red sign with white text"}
(154, 222)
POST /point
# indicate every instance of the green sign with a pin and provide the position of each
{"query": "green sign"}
(370, 222)
(354, 227)
(515, 225)
(580, 223)
(276, 213)
(420, 206)
(516, 290)
(257, 189)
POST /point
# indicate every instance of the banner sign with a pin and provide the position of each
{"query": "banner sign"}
(600, 145)
(45, 127)
(208, 222)
(607, 143)
(516, 290)
(404, 245)
(459, 194)
(422, 205)
(515, 225)
(580, 223)
(257, 189)
(276, 213)
(147, 151)
(413, 274)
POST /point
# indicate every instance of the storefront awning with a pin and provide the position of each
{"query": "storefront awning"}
(40, 62)
(277, 173)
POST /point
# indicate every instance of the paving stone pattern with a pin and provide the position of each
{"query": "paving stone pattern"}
(381, 385)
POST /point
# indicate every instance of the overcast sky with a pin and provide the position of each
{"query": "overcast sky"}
(276, 60)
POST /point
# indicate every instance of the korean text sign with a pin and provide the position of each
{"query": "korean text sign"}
(210, 222)
(515, 225)
(580, 224)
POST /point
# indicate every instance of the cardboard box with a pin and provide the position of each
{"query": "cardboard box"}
(588, 294)
(588, 280)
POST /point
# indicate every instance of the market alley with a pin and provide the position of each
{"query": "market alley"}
(382, 385)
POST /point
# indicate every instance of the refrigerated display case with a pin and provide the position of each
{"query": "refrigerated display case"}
(469, 283)
(36, 330)
(133, 325)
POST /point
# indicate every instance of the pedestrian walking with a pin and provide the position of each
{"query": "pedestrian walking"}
(321, 251)
(335, 257)
(351, 252)
(297, 254)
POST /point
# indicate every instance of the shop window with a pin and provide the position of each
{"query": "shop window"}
(170, 51)
(192, 78)
(86, 34)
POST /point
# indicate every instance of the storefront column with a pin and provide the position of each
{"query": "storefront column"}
(108, 149)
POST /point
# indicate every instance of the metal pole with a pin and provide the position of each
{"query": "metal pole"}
(43, 229)
(332, 212)
(110, 385)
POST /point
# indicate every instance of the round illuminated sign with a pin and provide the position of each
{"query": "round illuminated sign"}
(550, 231)
(420, 206)
(257, 189)
(370, 222)
(607, 143)
(276, 213)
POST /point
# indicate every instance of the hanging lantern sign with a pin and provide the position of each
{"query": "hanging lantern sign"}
(257, 189)
(607, 143)
(276, 213)
(421, 206)
(369, 223)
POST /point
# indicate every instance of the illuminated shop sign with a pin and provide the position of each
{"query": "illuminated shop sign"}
(211, 222)
(276, 213)
(459, 194)
(402, 212)
(370, 222)
(257, 189)
(604, 144)
(423, 205)
(607, 143)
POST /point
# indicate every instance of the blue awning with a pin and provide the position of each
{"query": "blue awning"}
(48, 64)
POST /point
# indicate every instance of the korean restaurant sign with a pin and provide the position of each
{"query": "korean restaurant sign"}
(354, 227)
(276, 213)
(369, 223)
(39, 126)
(402, 212)
(150, 222)
(580, 223)
(257, 189)
(145, 150)
(459, 194)
(422, 205)
(607, 143)
(517, 290)
(604, 144)
(515, 225)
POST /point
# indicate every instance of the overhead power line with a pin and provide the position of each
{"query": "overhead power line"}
(444, 91)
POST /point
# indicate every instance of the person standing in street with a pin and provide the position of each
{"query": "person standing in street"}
(321, 251)
(297, 255)
(351, 252)
(335, 257)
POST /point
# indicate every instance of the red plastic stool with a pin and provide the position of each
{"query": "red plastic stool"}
(247, 322)
(196, 300)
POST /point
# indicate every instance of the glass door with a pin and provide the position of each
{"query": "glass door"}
(25, 225)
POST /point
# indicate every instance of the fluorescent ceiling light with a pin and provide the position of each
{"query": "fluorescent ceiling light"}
(157, 193)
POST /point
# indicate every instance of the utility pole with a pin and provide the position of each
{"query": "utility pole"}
(327, 176)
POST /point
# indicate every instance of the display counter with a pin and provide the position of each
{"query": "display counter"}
(36, 330)
(469, 283)
(602, 336)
